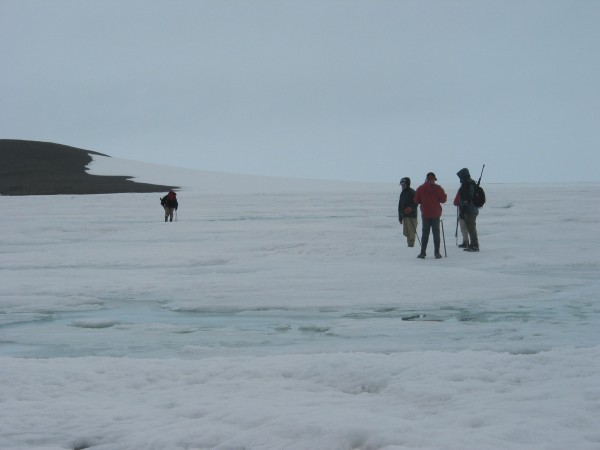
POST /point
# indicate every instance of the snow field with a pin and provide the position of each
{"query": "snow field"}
(274, 319)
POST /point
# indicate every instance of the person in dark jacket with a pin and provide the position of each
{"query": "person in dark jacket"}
(170, 204)
(466, 209)
(430, 196)
(407, 212)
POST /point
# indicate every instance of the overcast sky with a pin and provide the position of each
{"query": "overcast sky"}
(368, 90)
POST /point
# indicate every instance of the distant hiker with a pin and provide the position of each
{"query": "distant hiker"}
(430, 196)
(467, 209)
(407, 212)
(462, 223)
(170, 203)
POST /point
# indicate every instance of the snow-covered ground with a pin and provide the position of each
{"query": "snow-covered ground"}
(288, 314)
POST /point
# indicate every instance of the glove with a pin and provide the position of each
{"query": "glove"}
(176, 208)
(400, 219)
(407, 210)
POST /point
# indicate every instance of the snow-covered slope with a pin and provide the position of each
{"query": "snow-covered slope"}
(216, 182)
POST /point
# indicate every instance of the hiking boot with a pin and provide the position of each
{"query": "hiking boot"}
(472, 249)
(463, 245)
(438, 256)
(411, 245)
(421, 255)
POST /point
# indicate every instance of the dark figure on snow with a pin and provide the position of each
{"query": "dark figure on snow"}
(467, 211)
(463, 225)
(407, 212)
(169, 202)
(430, 196)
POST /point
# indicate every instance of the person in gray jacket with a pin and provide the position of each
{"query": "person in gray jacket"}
(407, 212)
(467, 210)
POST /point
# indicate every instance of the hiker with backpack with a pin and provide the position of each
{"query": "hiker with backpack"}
(170, 204)
(407, 212)
(467, 209)
(430, 196)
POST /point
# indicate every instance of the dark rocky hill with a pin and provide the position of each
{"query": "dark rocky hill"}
(44, 168)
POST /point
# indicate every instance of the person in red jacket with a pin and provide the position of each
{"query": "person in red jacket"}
(430, 196)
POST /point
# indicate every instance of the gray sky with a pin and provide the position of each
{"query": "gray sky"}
(368, 90)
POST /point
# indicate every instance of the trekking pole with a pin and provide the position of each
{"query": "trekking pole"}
(415, 230)
(456, 232)
(444, 237)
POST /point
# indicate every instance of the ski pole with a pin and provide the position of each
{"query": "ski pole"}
(456, 232)
(415, 230)
(444, 237)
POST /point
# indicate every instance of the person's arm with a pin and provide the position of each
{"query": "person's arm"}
(442, 195)
(471, 192)
(400, 208)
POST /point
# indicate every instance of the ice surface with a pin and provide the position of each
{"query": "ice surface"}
(277, 317)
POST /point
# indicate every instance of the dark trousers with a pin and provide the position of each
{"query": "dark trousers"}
(431, 225)
(471, 222)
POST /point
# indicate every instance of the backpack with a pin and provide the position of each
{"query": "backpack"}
(479, 196)
(170, 197)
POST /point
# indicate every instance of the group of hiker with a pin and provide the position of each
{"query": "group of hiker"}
(430, 196)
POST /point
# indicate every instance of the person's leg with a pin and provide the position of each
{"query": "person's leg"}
(435, 225)
(413, 223)
(409, 231)
(166, 213)
(471, 222)
(465, 233)
(425, 236)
